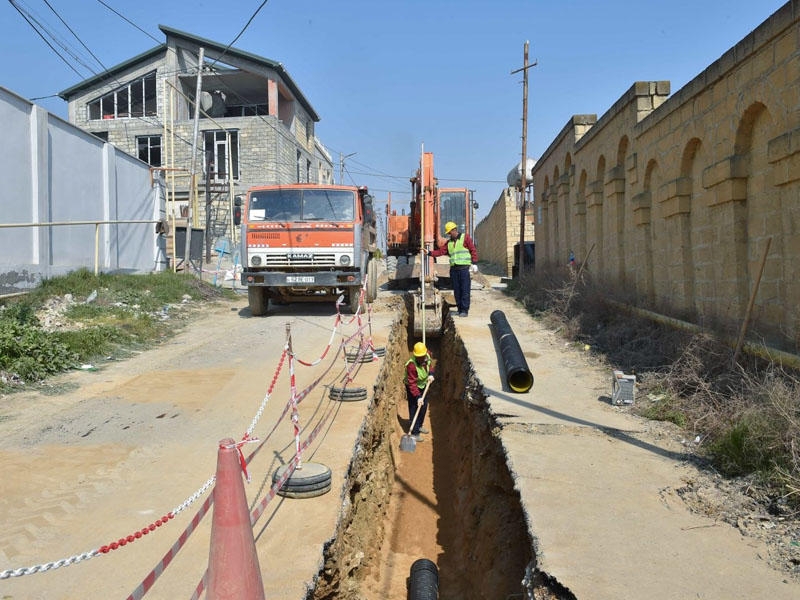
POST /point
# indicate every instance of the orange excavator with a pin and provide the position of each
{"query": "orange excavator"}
(431, 207)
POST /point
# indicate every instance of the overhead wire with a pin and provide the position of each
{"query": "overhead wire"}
(156, 121)
(233, 41)
(37, 25)
(100, 62)
(129, 21)
(74, 53)
(25, 15)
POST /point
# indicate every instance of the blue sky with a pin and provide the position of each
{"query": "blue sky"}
(386, 76)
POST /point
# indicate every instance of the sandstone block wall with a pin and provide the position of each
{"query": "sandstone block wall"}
(680, 197)
(497, 233)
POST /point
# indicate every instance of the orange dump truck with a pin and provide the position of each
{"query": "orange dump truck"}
(306, 242)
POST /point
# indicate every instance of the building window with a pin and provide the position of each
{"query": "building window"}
(103, 135)
(135, 99)
(298, 163)
(217, 148)
(149, 149)
(246, 110)
(308, 171)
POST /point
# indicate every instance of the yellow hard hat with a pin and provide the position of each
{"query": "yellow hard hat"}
(449, 226)
(420, 350)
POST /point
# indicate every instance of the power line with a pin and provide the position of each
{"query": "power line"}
(129, 21)
(250, 20)
(75, 35)
(25, 16)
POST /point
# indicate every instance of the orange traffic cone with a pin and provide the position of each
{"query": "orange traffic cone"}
(233, 570)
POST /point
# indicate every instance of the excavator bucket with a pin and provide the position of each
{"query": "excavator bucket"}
(428, 313)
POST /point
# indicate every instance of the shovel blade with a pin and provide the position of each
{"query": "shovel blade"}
(408, 443)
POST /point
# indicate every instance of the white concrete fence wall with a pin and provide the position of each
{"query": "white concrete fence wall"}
(56, 172)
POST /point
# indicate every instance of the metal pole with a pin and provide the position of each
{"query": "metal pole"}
(341, 165)
(96, 249)
(192, 171)
(208, 155)
(423, 257)
(172, 177)
(229, 179)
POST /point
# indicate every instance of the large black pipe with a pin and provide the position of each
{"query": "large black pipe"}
(518, 375)
(423, 584)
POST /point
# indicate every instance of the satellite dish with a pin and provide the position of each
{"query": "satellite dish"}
(206, 101)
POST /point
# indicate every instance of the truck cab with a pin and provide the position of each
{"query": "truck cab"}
(307, 242)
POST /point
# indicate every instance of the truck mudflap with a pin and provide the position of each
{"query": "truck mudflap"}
(315, 279)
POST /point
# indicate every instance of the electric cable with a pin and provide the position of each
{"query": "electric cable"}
(57, 53)
(129, 21)
(250, 20)
(75, 35)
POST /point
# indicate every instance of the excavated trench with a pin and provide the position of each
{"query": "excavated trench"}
(451, 501)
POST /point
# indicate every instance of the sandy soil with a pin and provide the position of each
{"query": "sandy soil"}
(97, 455)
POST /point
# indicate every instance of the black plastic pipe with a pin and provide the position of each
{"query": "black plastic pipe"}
(518, 375)
(423, 584)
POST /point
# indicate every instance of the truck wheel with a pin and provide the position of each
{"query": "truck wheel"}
(372, 281)
(352, 297)
(257, 299)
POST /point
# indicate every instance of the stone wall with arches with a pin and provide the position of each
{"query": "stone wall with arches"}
(676, 199)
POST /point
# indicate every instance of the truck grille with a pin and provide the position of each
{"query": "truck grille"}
(300, 260)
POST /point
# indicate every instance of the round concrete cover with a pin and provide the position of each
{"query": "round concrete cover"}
(310, 477)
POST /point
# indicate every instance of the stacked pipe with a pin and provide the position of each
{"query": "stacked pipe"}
(518, 376)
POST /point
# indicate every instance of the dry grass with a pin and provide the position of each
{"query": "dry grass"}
(747, 418)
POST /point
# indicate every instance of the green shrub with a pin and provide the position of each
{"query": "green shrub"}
(22, 313)
(662, 410)
(31, 353)
(124, 312)
(745, 447)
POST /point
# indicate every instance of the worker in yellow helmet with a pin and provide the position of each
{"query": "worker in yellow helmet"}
(463, 261)
(418, 375)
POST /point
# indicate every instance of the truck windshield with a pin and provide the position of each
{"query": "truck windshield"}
(301, 205)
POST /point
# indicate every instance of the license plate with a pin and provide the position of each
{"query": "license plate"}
(299, 279)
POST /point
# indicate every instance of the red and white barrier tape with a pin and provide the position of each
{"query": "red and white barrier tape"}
(260, 410)
(294, 400)
(121, 542)
(238, 447)
(153, 575)
(336, 323)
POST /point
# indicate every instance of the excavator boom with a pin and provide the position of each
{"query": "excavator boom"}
(423, 227)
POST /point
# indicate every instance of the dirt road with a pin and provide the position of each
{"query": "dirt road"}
(111, 451)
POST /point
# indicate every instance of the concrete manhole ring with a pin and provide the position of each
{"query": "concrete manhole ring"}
(347, 394)
(310, 474)
(305, 494)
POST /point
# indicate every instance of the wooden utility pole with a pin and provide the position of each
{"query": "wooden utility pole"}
(524, 165)
(192, 172)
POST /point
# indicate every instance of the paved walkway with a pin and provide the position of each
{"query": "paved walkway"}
(598, 493)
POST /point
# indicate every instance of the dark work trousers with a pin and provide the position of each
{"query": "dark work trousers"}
(461, 286)
(412, 409)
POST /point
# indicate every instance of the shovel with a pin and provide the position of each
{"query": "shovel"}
(407, 442)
